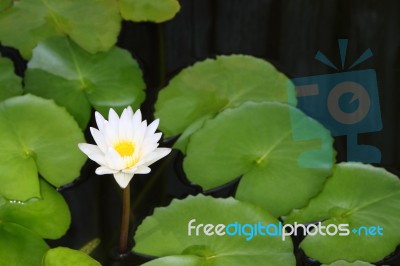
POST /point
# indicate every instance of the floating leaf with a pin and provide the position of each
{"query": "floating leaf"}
(144, 10)
(62, 256)
(4, 4)
(283, 164)
(48, 217)
(208, 87)
(75, 79)
(165, 233)
(345, 263)
(93, 24)
(358, 195)
(19, 246)
(183, 139)
(179, 260)
(36, 135)
(23, 224)
(10, 84)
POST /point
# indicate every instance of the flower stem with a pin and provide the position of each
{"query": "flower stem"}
(123, 238)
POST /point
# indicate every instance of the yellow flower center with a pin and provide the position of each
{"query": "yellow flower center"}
(125, 148)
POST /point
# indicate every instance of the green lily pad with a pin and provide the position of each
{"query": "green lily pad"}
(36, 136)
(181, 260)
(165, 234)
(48, 217)
(184, 138)
(62, 256)
(19, 246)
(5, 4)
(10, 84)
(345, 263)
(361, 196)
(93, 24)
(283, 163)
(209, 87)
(60, 70)
(143, 10)
(24, 224)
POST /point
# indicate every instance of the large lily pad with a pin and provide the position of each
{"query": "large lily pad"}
(357, 195)
(36, 135)
(24, 224)
(144, 10)
(10, 84)
(62, 256)
(93, 24)
(165, 234)
(48, 217)
(207, 88)
(60, 70)
(345, 263)
(180, 260)
(283, 163)
(19, 246)
(5, 4)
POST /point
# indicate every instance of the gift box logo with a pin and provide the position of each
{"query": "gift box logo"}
(347, 103)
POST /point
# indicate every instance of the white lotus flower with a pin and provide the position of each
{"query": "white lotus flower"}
(125, 146)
